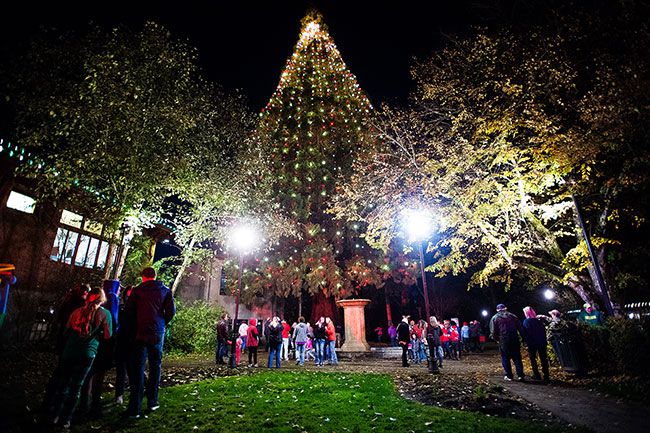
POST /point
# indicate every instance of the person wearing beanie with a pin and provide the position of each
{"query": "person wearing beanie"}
(590, 315)
(535, 336)
(505, 329)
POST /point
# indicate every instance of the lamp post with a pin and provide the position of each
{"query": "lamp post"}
(419, 225)
(243, 238)
(594, 260)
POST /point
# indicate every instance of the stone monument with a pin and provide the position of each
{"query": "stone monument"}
(355, 325)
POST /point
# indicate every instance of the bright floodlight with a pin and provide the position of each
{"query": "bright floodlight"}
(484, 313)
(243, 238)
(418, 224)
(549, 294)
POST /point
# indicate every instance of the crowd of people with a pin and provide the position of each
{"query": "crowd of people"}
(101, 329)
(108, 327)
(300, 341)
(434, 341)
(535, 332)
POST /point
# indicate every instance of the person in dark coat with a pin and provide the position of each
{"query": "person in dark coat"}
(275, 342)
(320, 337)
(435, 349)
(403, 337)
(505, 329)
(152, 304)
(535, 337)
(222, 339)
(123, 345)
(474, 331)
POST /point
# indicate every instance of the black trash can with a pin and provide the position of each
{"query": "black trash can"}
(569, 350)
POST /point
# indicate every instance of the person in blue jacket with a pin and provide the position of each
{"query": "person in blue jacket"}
(535, 338)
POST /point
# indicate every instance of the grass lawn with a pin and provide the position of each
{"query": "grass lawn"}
(295, 402)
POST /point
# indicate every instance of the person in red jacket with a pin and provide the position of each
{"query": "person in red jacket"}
(286, 329)
(454, 338)
(252, 342)
(331, 341)
(444, 340)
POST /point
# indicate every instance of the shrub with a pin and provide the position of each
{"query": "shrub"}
(193, 328)
(597, 348)
(621, 346)
(630, 345)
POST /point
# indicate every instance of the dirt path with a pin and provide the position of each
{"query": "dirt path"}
(577, 406)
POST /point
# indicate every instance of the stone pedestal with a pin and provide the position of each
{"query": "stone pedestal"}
(355, 325)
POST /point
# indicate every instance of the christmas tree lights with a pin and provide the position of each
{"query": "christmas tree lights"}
(312, 126)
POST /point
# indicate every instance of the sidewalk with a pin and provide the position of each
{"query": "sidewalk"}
(602, 414)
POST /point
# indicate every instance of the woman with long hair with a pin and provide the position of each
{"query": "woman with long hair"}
(86, 326)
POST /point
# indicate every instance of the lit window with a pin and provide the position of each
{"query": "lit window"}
(92, 252)
(70, 244)
(21, 202)
(59, 242)
(82, 249)
(223, 284)
(103, 255)
(71, 219)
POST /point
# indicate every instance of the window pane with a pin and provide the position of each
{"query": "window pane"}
(222, 287)
(69, 247)
(93, 227)
(20, 202)
(57, 248)
(71, 219)
(103, 254)
(81, 251)
(92, 252)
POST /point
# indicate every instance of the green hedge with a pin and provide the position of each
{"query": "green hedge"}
(621, 346)
(193, 328)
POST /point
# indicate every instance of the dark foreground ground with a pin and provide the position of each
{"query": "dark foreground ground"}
(474, 384)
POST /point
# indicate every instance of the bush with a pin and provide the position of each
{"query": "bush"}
(621, 346)
(596, 345)
(193, 328)
(630, 345)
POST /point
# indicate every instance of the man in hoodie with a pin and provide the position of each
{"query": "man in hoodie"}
(300, 337)
(152, 305)
(505, 329)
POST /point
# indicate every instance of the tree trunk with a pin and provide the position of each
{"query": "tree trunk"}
(300, 304)
(579, 290)
(184, 265)
(126, 245)
(108, 267)
(389, 316)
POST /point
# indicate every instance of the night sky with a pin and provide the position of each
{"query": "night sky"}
(245, 46)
